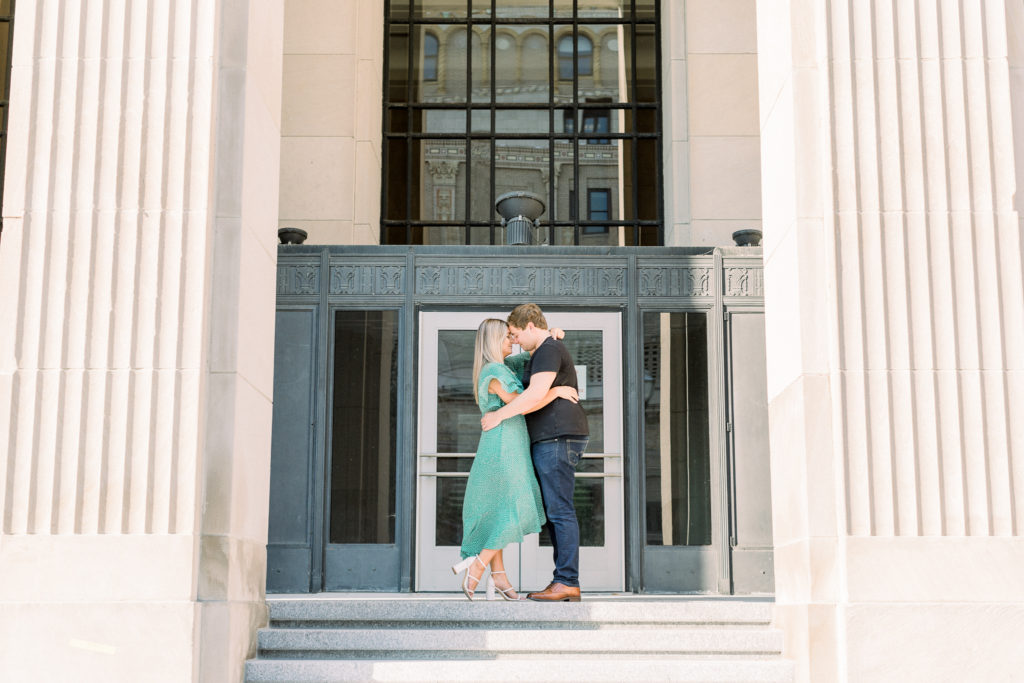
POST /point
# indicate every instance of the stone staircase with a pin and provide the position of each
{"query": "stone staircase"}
(418, 638)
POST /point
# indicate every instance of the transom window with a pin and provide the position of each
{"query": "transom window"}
(555, 97)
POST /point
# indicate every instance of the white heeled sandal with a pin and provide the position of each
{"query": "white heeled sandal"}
(491, 587)
(464, 566)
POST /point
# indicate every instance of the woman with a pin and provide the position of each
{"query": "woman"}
(502, 502)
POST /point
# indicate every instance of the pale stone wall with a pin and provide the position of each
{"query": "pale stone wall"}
(137, 265)
(893, 275)
(711, 143)
(331, 119)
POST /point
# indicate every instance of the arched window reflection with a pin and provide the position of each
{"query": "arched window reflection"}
(586, 57)
(430, 46)
(585, 61)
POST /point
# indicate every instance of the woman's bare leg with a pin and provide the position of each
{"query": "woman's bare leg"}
(501, 580)
(497, 562)
(476, 570)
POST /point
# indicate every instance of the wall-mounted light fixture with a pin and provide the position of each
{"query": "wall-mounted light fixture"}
(519, 211)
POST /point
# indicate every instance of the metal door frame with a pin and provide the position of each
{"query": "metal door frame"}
(608, 322)
(410, 279)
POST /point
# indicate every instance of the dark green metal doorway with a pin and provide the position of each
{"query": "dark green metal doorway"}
(343, 480)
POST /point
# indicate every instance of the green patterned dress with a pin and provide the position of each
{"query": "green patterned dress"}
(502, 502)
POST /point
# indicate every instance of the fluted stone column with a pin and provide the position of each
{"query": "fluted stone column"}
(893, 279)
(137, 268)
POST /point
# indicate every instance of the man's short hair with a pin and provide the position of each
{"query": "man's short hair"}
(527, 313)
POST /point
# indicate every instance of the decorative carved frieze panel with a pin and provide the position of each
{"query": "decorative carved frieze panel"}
(367, 279)
(543, 280)
(682, 281)
(520, 280)
(302, 278)
(743, 281)
(590, 281)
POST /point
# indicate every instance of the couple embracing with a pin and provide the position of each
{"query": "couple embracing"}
(523, 474)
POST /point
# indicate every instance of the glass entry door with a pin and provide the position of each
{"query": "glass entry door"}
(449, 431)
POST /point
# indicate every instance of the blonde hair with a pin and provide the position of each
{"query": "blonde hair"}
(527, 313)
(488, 348)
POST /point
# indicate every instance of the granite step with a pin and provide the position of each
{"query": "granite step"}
(443, 638)
(532, 670)
(430, 643)
(301, 613)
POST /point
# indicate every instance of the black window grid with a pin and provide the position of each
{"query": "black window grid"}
(641, 227)
(6, 27)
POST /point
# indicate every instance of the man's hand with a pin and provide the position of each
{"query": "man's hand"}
(490, 420)
(567, 393)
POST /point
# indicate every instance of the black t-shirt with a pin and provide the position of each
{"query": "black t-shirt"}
(561, 417)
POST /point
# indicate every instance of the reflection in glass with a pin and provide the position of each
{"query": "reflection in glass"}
(645, 9)
(521, 165)
(396, 151)
(398, 10)
(454, 464)
(434, 9)
(605, 9)
(439, 121)
(522, 121)
(598, 209)
(452, 86)
(566, 79)
(481, 234)
(481, 9)
(363, 427)
(584, 56)
(564, 208)
(587, 351)
(594, 121)
(602, 168)
(518, 9)
(603, 70)
(438, 234)
(397, 121)
(646, 74)
(398, 63)
(442, 172)
(430, 45)
(521, 64)
(612, 68)
(646, 121)
(427, 86)
(481, 205)
(677, 459)
(458, 417)
(480, 121)
(565, 61)
(647, 179)
(451, 491)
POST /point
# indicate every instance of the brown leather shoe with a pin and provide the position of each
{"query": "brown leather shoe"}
(557, 592)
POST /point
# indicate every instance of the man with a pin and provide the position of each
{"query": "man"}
(558, 435)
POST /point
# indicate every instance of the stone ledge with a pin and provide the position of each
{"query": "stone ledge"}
(675, 669)
(590, 611)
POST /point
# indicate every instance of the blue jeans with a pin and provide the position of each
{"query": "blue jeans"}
(555, 461)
